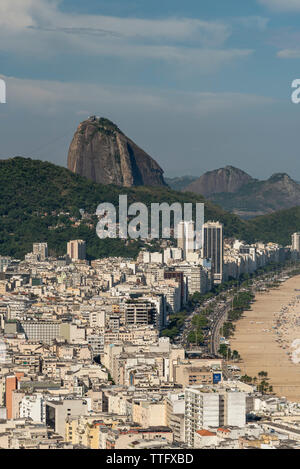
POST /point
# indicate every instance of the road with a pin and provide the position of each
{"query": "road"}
(220, 311)
(216, 327)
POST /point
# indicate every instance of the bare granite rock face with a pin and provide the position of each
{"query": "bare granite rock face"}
(101, 152)
(228, 179)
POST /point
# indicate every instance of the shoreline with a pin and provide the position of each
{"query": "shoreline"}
(268, 338)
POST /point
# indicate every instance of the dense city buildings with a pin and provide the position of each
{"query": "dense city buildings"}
(87, 361)
(150, 227)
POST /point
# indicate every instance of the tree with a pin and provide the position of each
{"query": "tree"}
(262, 374)
(235, 355)
(225, 351)
(263, 387)
(246, 379)
(195, 337)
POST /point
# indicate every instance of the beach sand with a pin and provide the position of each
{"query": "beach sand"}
(267, 338)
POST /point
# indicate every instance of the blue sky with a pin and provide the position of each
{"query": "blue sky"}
(198, 84)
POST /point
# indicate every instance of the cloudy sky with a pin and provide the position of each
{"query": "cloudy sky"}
(199, 84)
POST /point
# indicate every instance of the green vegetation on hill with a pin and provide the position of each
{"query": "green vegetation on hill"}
(276, 227)
(41, 201)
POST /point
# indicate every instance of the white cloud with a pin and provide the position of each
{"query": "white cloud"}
(207, 33)
(281, 5)
(253, 22)
(202, 58)
(39, 28)
(50, 97)
(16, 15)
(44, 15)
(289, 54)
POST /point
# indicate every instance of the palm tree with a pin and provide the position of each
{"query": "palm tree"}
(262, 374)
(235, 355)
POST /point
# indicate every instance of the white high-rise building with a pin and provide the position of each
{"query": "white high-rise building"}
(186, 237)
(33, 407)
(210, 408)
(233, 409)
(201, 411)
(296, 242)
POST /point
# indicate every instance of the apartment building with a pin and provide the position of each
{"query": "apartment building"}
(296, 244)
(76, 250)
(201, 411)
(186, 237)
(57, 412)
(149, 413)
(208, 407)
(45, 331)
(40, 250)
(213, 248)
(33, 407)
(175, 407)
(144, 311)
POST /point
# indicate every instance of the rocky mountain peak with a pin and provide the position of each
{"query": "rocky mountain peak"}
(101, 152)
(228, 179)
(280, 177)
